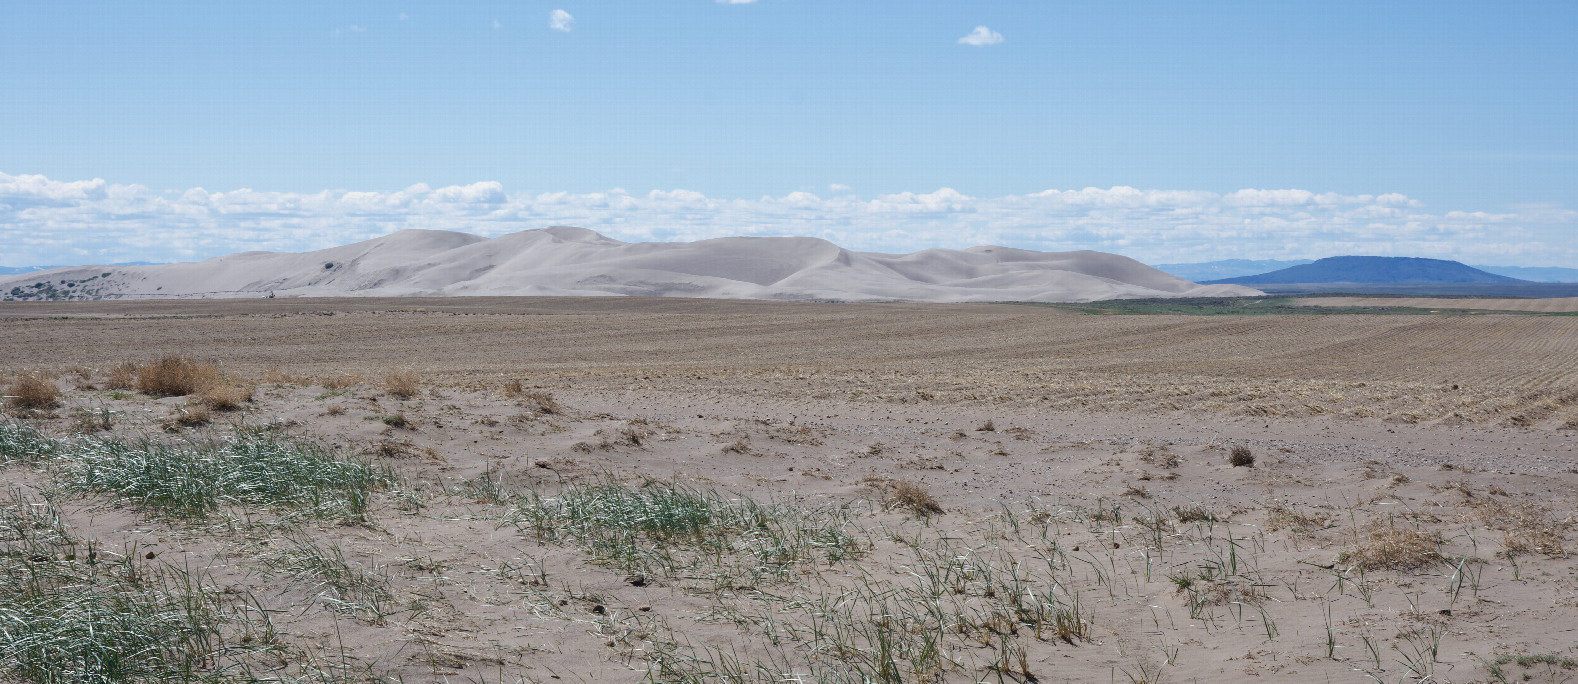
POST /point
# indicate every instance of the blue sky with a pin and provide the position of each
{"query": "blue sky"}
(868, 123)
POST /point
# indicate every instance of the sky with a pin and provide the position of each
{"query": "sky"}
(1168, 132)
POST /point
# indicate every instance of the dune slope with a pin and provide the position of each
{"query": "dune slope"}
(578, 262)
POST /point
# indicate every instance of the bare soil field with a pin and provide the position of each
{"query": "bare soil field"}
(508, 490)
(1550, 305)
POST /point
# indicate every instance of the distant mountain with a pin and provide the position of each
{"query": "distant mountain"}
(1550, 274)
(18, 270)
(1226, 268)
(1372, 270)
(14, 270)
(564, 261)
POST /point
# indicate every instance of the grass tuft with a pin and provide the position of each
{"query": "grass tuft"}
(23, 443)
(196, 479)
(105, 621)
(176, 376)
(1241, 457)
(914, 496)
(1384, 544)
(32, 391)
(403, 383)
(225, 397)
(122, 377)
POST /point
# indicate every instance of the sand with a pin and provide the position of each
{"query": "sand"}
(566, 261)
(1085, 455)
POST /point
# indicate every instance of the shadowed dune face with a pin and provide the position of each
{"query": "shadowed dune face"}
(579, 262)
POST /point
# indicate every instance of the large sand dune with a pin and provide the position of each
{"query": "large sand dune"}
(580, 262)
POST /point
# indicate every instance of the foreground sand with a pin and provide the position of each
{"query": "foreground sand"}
(1407, 513)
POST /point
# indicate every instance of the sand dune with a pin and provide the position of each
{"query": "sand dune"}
(579, 262)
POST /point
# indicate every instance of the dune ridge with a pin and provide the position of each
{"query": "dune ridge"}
(568, 261)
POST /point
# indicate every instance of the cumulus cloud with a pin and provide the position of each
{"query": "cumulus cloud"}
(982, 36)
(839, 187)
(43, 220)
(560, 20)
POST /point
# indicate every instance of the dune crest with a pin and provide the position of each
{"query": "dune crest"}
(567, 261)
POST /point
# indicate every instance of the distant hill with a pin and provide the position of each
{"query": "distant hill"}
(1226, 268)
(1372, 270)
(18, 270)
(564, 261)
(14, 270)
(1548, 274)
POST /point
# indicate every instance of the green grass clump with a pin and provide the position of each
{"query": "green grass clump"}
(649, 529)
(70, 614)
(195, 479)
(22, 443)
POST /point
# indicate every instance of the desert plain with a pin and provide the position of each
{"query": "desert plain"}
(642, 489)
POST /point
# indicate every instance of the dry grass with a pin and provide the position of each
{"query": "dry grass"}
(540, 403)
(1389, 545)
(1241, 457)
(122, 376)
(191, 415)
(1526, 528)
(341, 381)
(176, 376)
(32, 391)
(403, 383)
(1282, 516)
(914, 496)
(225, 397)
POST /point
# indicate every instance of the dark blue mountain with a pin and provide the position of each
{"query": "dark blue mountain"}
(1372, 269)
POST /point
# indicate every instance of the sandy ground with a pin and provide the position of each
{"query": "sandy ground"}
(1548, 305)
(1415, 525)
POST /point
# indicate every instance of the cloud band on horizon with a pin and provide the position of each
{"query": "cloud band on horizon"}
(45, 221)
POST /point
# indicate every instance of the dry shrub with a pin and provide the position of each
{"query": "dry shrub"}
(402, 383)
(1241, 457)
(83, 378)
(334, 410)
(541, 403)
(341, 381)
(912, 495)
(223, 397)
(176, 376)
(1281, 516)
(739, 446)
(122, 377)
(1526, 527)
(1387, 545)
(514, 388)
(191, 415)
(1195, 513)
(1160, 455)
(275, 375)
(32, 391)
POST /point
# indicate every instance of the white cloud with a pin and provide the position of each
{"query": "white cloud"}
(839, 187)
(560, 20)
(49, 221)
(403, 16)
(982, 36)
(353, 28)
(497, 25)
